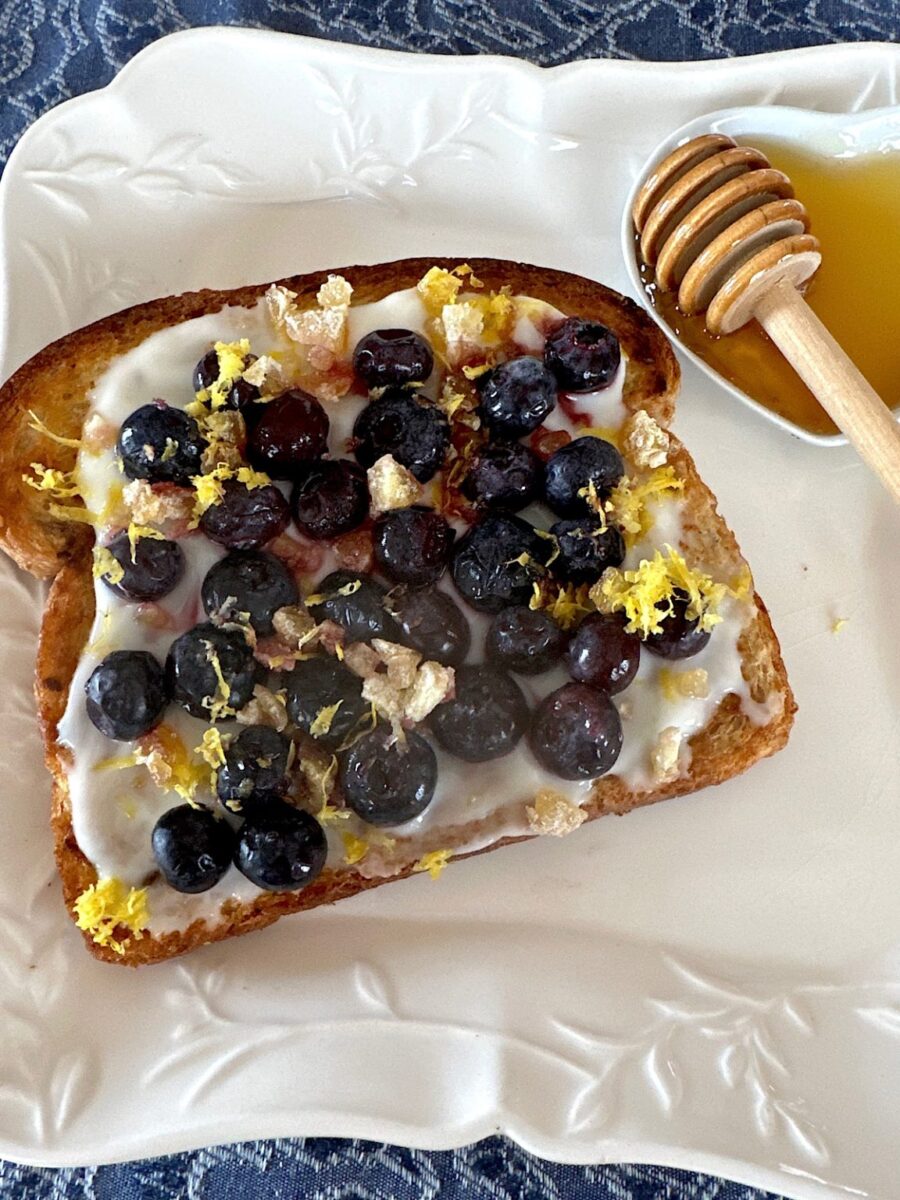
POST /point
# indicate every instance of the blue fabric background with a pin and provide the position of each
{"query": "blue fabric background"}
(53, 49)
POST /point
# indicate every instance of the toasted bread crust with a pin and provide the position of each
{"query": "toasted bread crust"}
(55, 385)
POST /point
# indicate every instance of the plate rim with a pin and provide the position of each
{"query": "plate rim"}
(607, 1149)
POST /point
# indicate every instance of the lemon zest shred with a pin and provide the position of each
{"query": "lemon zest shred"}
(252, 479)
(434, 862)
(741, 585)
(526, 560)
(595, 502)
(438, 287)
(324, 719)
(464, 271)
(627, 502)
(329, 815)
(113, 505)
(327, 777)
(108, 905)
(118, 762)
(645, 595)
(106, 566)
(60, 484)
(212, 751)
(566, 604)
(39, 427)
(69, 512)
(476, 372)
(136, 532)
(99, 645)
(218, 706)
(355, 848)
(168, 761)
(232, 362)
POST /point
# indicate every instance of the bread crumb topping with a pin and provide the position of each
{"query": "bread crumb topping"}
(391, 485)
(159, 505)
(678, 685)
(264, 708)
(665, 754)
(321, 331)
(407, 690)
(553, 814)
(645, 442)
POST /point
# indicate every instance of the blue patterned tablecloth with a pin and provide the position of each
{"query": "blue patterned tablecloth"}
(53, 49)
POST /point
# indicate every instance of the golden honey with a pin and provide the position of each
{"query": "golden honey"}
(854, 209)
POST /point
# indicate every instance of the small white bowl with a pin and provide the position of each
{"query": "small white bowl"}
(824, 133)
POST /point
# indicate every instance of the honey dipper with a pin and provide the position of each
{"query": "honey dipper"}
(720, 226)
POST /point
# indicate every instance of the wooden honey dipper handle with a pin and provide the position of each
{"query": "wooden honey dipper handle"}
(840, 387)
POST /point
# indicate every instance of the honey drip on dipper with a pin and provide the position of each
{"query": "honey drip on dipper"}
(720, 233)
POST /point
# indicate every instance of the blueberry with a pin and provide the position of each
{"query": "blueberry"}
(504, 475)
(157, 567)
(206, 371)
(386, 781)
(414, 433)
(485, 719)
(281, 848)
(583, 355)
(602, 654)
(412, 545)
(680, 637)
(248, 582)
(573, 467)
(524, 640)
(126, 694)
(291, 432)
(585, 549)
(330, 498)
(256, 761)
(161, 444)
(576, 732)
(498, 561)
(517, 396)
(192, 847)
(392, 358)
(241, 394)
(246, 518)
(356, 603)
(431, 623)
(316, 685)
(193, 678)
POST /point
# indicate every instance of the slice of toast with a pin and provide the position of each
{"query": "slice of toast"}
(51, 392)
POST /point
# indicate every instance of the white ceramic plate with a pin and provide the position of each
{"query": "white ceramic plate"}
(827, 133)
(713, 983)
